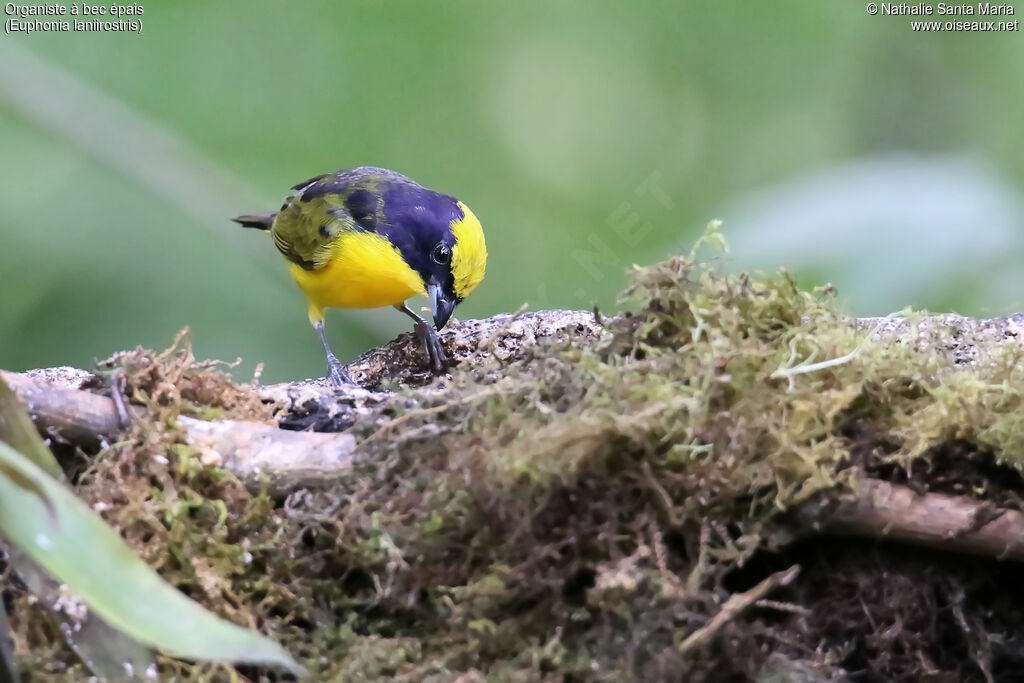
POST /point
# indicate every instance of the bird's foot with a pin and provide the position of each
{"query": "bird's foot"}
(336, 373)
(436, 357)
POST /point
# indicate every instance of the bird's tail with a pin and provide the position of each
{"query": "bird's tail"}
(261, 221)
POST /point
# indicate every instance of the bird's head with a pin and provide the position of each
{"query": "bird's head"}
(441, 239)
(457, 264)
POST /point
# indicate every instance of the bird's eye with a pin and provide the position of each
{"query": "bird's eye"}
(442, 254)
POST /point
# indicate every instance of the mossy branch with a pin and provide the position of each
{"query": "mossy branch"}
(571, 470)
(585, 494)
(291, 460)
(250, 450)
(286, 458)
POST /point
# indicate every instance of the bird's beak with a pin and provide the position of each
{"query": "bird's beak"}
(440, 306)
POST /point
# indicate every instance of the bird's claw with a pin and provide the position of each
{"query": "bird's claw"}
(336, 373)
(436, 357)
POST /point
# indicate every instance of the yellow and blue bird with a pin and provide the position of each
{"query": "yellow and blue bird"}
(369, 237)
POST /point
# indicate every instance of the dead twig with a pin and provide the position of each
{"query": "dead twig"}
(778, 606)
(735, 605)
(117, 392)
(878, 509)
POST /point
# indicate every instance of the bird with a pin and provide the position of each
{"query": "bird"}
(369, 237)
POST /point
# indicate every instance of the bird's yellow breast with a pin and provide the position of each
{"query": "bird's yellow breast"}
(363, 271)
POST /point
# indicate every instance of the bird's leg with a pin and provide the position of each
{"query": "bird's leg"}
(427, 335)
(335, 370)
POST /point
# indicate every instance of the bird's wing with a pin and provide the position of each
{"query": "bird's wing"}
(327, 206)
(310, 223)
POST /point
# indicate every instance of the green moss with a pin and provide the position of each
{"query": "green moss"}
(580, 515)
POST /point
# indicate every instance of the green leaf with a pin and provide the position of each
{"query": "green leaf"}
(17, 430)
(18, 477)
(108, 653)
(81, 551)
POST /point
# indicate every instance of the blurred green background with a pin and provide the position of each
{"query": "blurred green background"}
(587, 136)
